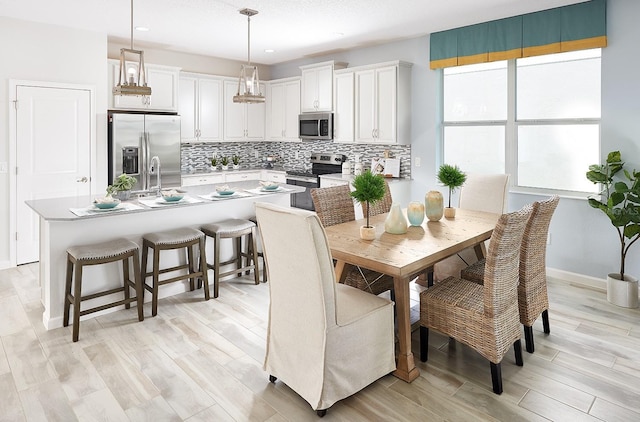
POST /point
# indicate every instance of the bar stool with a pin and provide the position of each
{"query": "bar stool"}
(259, 253)
(101, 253)
(171, 240)
(232, 229)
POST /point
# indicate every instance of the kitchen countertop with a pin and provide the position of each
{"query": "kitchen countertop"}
(240, 170)
(350, 177)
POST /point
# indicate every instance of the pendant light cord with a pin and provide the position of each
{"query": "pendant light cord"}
(248, 39)
(132, 24)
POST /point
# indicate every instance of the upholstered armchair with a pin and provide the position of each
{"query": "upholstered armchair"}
(325, 340)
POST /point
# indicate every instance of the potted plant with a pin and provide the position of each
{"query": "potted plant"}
(225, 162)
(368, 189)
(620, 201)
(235, 159)
(121, 187)
(452, 177)
(214, 163)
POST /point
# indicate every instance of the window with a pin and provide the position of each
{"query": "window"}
(536, 118)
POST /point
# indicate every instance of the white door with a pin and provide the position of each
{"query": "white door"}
(53, 154)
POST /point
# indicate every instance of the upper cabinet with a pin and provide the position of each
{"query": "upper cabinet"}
(343, 103)
(382, 103)
(163, 81)
(283, 108)
(200, 108)
(317, 86)
(242, 122)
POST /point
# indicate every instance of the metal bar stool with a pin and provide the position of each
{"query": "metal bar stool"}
(259, 253)
(171, 240)
(102, 253)
(232, 229)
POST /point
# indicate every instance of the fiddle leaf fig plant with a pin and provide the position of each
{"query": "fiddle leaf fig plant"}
(619, 199)
(368, 189)
(452, 177)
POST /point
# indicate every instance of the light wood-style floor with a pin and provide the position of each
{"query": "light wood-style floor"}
(202, 361)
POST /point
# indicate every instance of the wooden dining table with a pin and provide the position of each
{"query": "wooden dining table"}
(405, 255)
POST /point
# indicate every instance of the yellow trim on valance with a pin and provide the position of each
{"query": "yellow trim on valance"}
(495, 56)
(540, 50)
(439, 64)
(473, 59)
(595, 42)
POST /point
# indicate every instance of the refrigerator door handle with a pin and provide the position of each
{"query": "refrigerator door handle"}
(143, 165)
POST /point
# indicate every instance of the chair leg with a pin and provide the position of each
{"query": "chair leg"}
(192, 266)
(216, 265)
(203, 265)
(528, 338)
(156, 281)
(321, 412)
(272, 379)
(125, 278)
(517, 348)
(424, 343)
(238, 242)
(143, 266)
(139, 285)
(254, 255)
(545, 321)
(67, 292)
(496, 377)
(77, 298)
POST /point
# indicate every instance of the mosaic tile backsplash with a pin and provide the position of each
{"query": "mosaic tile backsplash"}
(196, 156)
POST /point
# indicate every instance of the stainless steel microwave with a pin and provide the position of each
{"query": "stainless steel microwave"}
(315, 126)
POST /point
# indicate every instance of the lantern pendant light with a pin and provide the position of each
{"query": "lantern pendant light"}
(249, 82)
(132, 81)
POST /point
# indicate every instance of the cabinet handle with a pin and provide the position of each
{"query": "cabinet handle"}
(82, 179)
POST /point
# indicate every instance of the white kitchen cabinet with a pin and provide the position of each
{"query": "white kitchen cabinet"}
(274, 176)
(243, 176)
(343, 106)
(203, 179)
(163, 81)
(317, 86)
(200, 108)
(242, 122)
(382, 102)
(283, 108)
(329, 183)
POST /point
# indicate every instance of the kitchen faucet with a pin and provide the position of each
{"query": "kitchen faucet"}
(154, 168)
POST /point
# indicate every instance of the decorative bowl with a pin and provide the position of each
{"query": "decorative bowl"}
(269, 185)
(224, 190)
(172, 195)
(106, 203)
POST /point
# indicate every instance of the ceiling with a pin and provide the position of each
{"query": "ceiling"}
(293, 28)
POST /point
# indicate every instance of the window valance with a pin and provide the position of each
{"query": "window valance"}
(575, 27)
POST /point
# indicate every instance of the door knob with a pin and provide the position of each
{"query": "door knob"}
(83, 179)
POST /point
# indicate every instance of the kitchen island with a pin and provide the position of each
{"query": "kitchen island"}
(60, 228)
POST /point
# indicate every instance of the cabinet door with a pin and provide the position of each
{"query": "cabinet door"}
(343, 108)
(187, 109)
(164, 92)
(365, 111)
(255, 115)
(210, 109)
(325, 88)
(277, 112)
(234, 128)
(239, 177)
(309, 89)
(292, 110)
(385, 104)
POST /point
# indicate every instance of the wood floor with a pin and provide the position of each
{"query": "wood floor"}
(202, 361)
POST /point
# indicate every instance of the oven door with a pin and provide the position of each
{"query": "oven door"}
(302, 199)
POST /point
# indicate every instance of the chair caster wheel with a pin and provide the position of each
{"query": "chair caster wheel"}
(321, 413)
(272, 379)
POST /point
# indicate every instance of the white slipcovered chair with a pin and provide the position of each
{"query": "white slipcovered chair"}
(325, 340)
(481, 192)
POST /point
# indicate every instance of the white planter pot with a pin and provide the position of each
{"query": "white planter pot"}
(622, 292)
(367, 233)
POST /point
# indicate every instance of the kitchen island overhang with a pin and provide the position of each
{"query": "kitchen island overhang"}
(61, 229)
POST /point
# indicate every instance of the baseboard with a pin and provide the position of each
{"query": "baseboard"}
(581, 279)
(5, 264)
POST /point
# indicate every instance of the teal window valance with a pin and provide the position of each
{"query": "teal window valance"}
(575, 27)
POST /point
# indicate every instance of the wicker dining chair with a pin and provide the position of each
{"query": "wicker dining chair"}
(533, 300)
(384, 205)
(484, 317)
(334, 205)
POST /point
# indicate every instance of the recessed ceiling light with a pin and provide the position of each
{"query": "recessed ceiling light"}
(142, 28)
(269, 50)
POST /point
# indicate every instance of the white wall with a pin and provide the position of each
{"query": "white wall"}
(37, 52)
(582, 239)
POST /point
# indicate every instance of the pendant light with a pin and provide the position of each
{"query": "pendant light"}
(249, 82)
(132, 81)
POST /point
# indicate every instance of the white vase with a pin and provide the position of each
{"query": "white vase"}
(367, 232)
(434, 205)
(396, 223)
(225, 167)
(236, 166)
(622, 292)
(415, 213)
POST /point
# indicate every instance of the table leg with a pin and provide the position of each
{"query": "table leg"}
(340, 269)
(481, 250)
(405, 368)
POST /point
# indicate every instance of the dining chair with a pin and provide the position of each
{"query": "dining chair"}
(484, 317)
(334, 205)
(533, 299)
(481, 192)
(384, 205)
(325, 340)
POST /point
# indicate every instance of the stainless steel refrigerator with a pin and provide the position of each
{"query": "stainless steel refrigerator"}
(135, 138)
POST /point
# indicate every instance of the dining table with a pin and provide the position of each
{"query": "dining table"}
(403, 256)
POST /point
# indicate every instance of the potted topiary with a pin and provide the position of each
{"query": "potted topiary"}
(620, 201)
(225, 162)
(121, 187)
(368, 189)
(214, 163)
(235, 159)
(452, 177)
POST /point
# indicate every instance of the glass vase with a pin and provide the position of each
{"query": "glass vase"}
(396, 223)
(415, 213)
(434, 205)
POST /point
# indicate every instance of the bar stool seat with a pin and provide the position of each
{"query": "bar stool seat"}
(234, 228)
(171, 240)
(101, 253)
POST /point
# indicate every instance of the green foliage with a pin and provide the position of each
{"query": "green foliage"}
(368, 189)
(214, 161)
(452, 177)
(235, 159)
(619, 200)
(224, 161)
(121, 183)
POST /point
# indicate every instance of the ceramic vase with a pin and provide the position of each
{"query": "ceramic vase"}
(367, 233)
(225, 167)
(434, 205)
(622, 292)
(396, 223)
(415, 213)
(236, 166)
